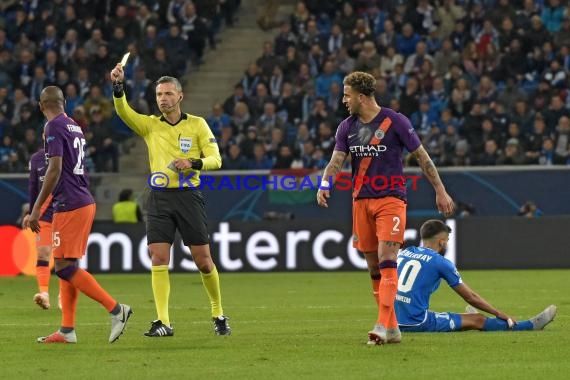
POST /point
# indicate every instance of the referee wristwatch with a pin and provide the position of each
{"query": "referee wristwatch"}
(196, 164)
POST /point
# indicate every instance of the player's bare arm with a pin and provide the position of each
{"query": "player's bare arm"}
(50, 182)
(333, 168)
(474, 299)
(443, 201)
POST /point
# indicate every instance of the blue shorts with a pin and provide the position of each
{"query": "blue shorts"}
(436, 322)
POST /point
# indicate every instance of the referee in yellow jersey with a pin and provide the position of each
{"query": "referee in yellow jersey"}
(180, 145)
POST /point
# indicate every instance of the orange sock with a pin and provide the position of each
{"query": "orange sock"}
(375, 287)
(69, 295)
(42, 275)
(89, 286)
(387, 294)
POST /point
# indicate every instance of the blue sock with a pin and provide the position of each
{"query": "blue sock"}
(496, 324)
(523, 325)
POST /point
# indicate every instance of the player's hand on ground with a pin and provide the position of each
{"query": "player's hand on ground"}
(322, 196)
(34, 221)
(182, 163)
(117, 74)
(25, 221)
(444, 203)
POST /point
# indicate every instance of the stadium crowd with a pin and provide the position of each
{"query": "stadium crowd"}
(74, 44)
(484, 82)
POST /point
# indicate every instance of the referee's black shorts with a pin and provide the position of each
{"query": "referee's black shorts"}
(172, 209)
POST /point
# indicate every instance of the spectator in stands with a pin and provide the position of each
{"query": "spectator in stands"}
(72, 98)
(552, 15)
(269, 120)
(448, 143)
(105, 152)
(328, 76)
(149, 42)
(325, 138)
(406, 41)
(260, 159)
(512, 95)
(273, 143)
(247, 144)
(490, 155)
(300, 17)
(232, 100)
(424, 118)
(368, 58)
(415, 61)
(548, 155)
(20, 100)
(336, 40)
(388, 37)
(251, 79)
(562, 36)
(285, 39)
(448, 13)
(291, 64)
(9, 160)
(388, 62)
(234, 160)
(160, 65)
(195, 30)
(95, 98)
(462, 156)
(289, 104)
(535, 139)
(512, 154)
(257, 101)
(218, 119)
(276, 82)
(410, 98)
(554, 112)
(562, 141)
(284, 157)
(241, 117)
(347, 19)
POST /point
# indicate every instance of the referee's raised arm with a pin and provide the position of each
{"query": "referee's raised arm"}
(137, 122)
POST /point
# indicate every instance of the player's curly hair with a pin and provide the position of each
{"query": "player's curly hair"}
(361, 82)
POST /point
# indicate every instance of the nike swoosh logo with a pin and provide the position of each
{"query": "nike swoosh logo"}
(123, 319)
(351, 136)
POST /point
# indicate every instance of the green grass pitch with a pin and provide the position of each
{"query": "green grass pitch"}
(285, 326)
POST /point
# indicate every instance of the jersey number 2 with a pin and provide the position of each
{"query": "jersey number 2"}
(408, 275)
(79, 144)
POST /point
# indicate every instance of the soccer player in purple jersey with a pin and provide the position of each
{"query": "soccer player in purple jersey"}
(376, 137)
(38, 166)
(74, 211)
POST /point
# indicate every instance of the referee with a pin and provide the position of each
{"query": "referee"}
(175, 141)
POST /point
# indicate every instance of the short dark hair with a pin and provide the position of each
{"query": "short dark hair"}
(361, 82)
(168, 79)
(125, 195)
(433, 227)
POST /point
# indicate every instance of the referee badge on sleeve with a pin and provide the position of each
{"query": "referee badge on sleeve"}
(185, 144)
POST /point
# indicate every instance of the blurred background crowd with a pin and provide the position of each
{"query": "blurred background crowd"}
(484, 82)
(74, 44)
